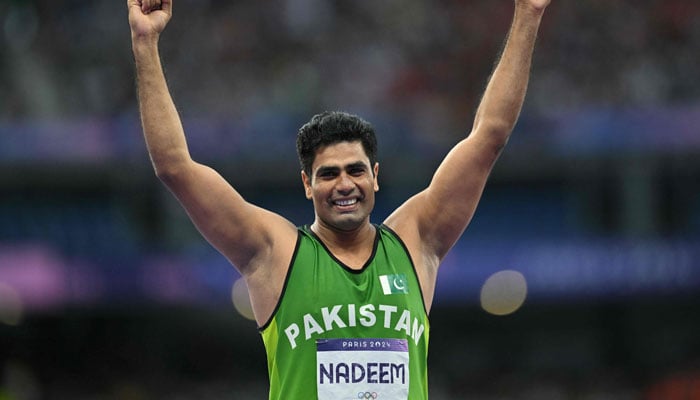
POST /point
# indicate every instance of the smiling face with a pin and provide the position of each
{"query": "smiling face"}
(342, 186)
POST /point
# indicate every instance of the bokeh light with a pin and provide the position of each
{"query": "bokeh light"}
(241, 299)
(503, 292)
(10, 306)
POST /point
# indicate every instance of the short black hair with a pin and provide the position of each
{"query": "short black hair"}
(331, 127)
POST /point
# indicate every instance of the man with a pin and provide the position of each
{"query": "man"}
(342, 304)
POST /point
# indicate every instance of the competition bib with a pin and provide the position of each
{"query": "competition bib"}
(362, 369)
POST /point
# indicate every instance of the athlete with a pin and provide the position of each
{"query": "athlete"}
(341, 304)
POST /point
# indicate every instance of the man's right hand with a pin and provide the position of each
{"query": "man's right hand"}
(148, 18)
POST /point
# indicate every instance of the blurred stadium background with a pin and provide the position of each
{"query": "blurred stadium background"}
(592, 215)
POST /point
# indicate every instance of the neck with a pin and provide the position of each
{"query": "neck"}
(352, 248)
(347, 240)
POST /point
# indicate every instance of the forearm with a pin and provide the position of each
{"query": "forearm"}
(162, 128)
(504, 95)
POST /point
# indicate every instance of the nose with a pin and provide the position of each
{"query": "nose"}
(345, 184)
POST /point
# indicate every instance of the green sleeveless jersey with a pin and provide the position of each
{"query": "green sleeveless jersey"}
(340, 334)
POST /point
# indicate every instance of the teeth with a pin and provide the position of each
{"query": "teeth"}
(346, 202)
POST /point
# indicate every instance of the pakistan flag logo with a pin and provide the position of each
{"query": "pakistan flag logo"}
(393, 284)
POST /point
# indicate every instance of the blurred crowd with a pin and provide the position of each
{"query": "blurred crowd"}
(423, 61)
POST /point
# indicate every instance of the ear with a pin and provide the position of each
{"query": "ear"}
(307, 184)
(376, 176)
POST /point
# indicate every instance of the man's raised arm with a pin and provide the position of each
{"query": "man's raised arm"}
(504, 95)
(433, 220)
(162, 128)
(239, 230)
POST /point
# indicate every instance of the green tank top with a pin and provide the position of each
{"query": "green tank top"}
(339, 333)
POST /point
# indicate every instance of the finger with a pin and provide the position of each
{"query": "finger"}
(133, 3)
(149, 5)
(167, 6)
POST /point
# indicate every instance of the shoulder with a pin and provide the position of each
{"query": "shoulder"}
(386, 233)
(403, 226)
(267, 272)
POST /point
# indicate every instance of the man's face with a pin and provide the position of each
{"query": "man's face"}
(342, 185)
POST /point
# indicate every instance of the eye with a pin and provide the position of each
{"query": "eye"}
(327, 174)
(356, 171)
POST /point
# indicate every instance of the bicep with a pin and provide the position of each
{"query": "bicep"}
(238, 229)
(441, 212)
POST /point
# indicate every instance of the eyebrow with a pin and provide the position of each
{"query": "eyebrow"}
(358, 164)
(324, 169)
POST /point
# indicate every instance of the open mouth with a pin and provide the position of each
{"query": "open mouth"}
(345, 202)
